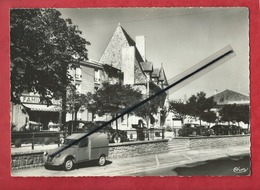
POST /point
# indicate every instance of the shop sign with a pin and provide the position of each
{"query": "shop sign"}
(36, 100)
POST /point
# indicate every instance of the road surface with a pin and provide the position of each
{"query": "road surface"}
(231, 166)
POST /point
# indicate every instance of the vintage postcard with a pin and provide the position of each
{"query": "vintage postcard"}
(130, 92)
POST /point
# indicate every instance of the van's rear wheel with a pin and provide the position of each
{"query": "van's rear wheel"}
(68, 164)
(102, 160)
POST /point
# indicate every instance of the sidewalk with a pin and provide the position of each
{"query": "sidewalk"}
(128, 166)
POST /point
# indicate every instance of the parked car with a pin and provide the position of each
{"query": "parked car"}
(93, 147)
(228, 130)
(235, 130)
(188, 129)
(220, 129)
(31, 126)
(55, 127)
(193, 129)
(204, 130)
(114, 135)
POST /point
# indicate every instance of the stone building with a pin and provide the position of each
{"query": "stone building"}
(230, 97)
(86, 77)
(129, 57)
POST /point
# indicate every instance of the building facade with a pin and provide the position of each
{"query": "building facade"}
(123, 61)
(129, 57)
(231, 97)
(87, 77)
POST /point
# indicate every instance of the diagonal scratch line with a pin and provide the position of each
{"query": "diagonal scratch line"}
(130, 109)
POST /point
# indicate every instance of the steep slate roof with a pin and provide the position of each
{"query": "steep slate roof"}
(113, 53)
(162, 76)
(155, 73)
(129, 39)
(147, 66)
(229, 96)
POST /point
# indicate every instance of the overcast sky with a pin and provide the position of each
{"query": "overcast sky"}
(178, 38)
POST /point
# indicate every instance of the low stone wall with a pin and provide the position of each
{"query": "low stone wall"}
(132, 149)
(196, 143)
(27, 160)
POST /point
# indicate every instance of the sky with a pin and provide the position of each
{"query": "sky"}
(176, 38)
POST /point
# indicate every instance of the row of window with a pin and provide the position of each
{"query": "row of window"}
(77, 73)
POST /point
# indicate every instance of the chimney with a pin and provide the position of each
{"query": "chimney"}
(216, 91)
(140, 44)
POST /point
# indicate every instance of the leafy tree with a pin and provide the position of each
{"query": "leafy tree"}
(244, 113)
(147, 110)
(163, 115)
(111, 98)
(227, 113)
(196, 106)
(235, 113)
(43, 47)
(76, 100)
(178, 108)
(209, 116)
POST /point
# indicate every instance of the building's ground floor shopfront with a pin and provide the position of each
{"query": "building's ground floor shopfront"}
(44, 114)
(32, 110)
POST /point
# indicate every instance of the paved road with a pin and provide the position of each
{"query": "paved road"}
(134, 165)
(230, 166)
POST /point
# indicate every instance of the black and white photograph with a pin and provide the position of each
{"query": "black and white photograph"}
(130, 92)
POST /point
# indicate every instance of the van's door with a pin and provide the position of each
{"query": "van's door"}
(83, 150)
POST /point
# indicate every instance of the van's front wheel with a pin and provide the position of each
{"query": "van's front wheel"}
(68, 164)
(102, 160)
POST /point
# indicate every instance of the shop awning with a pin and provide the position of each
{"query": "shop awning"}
(40, 107)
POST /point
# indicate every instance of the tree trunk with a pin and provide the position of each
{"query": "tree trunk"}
(116, 124)
(63, 98)
(76, 115)
(127, 120)
(63, 107)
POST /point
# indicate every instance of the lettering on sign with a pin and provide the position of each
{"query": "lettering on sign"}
(36, 100)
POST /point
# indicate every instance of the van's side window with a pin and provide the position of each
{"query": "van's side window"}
(84, 142)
